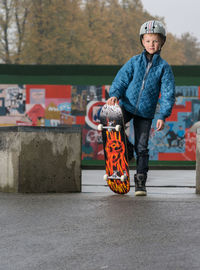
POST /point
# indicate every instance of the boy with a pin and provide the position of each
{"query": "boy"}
(138, 85)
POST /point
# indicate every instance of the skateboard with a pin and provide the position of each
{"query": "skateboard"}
(115, 148)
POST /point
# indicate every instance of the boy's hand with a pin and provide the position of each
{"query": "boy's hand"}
(160, 125)
(112, 101)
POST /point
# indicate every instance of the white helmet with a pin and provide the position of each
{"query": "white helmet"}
(153, 27)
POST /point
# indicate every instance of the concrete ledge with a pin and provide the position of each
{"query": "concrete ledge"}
(40, 159)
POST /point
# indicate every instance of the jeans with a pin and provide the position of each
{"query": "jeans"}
(142, 128)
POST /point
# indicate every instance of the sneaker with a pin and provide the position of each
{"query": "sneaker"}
(140, 181)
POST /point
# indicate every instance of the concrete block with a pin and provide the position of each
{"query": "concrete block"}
(40, 159)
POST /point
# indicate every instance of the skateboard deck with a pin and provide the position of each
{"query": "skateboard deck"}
(115, 149)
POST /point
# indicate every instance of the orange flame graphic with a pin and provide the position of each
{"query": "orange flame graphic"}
(115, 150)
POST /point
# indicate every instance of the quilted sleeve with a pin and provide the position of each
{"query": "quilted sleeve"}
(122, 80)
(167, 93)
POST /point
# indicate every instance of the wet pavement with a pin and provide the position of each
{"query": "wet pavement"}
(97, 229)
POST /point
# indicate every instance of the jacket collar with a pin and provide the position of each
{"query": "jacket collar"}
(155, 58)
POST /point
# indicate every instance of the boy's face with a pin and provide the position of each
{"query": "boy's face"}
(152, 43)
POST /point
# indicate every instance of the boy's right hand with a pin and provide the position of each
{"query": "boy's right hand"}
(112, 101)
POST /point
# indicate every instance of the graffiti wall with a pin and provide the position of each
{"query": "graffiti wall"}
(59, 105)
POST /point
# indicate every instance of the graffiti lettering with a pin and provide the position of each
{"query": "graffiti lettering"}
(94, 136)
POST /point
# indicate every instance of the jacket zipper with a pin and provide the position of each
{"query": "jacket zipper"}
(143, 83)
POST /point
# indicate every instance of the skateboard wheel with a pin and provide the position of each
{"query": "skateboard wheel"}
(122, 178)
(118, 127)
(105, 177)
(100, 127)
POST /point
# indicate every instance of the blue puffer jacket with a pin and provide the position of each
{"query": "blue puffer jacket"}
(139, 83)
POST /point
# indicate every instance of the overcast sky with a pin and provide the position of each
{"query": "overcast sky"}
(180, 15)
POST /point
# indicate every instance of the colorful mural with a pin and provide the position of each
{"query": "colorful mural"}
(59, 105)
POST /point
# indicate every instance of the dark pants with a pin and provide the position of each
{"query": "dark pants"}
(142, 128)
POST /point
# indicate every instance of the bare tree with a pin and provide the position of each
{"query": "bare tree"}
(191, 49)
(13, 16)
(21, 11)
(6, 7)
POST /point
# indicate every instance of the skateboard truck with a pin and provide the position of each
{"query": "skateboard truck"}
(114, 176)
(110, 128)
